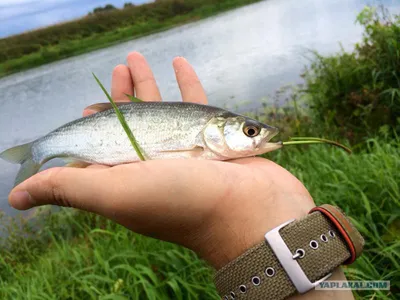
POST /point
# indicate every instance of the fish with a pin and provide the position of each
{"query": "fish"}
(163, 130)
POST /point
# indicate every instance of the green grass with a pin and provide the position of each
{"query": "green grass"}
(60, 41)
(122, 120)
(79, 255)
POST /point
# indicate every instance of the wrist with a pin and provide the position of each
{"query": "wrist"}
(230, 235)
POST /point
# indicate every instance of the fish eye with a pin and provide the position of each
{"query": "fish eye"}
(251, 130)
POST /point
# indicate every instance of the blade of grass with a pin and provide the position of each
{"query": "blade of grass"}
(122, 120)
(133, 99)
(323, 141)
(313, 140)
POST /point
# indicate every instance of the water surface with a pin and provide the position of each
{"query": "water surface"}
(241, 55)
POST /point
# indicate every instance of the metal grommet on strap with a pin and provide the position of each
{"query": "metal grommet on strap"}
(299, 254)
(324, 238)
(351, 236)
(243, 289)
(256, 280)
(314, 244)
(270, 271)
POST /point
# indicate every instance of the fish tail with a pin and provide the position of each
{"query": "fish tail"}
(22, 155)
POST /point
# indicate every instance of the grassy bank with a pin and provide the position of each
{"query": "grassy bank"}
(101, 30)
(81, 256)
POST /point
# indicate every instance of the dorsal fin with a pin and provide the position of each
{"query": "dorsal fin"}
(98, 107)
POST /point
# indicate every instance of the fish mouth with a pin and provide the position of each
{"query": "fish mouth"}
(272, 132)
(265, 144)
(268, 147)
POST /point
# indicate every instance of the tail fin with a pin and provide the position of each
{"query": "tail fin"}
(22, 155)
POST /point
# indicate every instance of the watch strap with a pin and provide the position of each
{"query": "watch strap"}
(353, 238)
(319, 243)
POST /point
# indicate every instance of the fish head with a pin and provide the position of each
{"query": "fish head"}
(239, 136)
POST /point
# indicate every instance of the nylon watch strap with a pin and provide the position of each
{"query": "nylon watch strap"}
(294, 257)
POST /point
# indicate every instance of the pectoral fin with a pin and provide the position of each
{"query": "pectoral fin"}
(195, 149)
(77, 164)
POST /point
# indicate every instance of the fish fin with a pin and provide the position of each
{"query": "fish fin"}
(194, 149)
(68, 160)
(71, 163)
(18, 154)
(28, 169)
(22, 155)
(98, 107)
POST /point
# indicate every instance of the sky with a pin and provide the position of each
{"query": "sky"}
(17, 16)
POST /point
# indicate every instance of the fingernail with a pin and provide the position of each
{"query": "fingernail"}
(181, 57)
(21, 200)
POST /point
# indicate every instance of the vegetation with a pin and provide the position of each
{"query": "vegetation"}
(360, 91)
(101, 9)
(128, 4)
(105, 26)
(71, 254)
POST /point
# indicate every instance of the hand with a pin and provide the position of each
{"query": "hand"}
(218, 209)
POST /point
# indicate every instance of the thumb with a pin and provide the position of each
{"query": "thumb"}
(172, 193)
(145, 188)
(70, 187)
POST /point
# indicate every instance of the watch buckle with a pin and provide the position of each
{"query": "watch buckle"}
(289, 264)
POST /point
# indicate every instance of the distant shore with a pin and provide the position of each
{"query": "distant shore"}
(40, 47)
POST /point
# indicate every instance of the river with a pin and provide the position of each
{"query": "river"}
(243, 55)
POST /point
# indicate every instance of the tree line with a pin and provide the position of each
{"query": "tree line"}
(109, 7)
(101, 20)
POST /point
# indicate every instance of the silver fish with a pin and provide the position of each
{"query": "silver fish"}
(163, 130)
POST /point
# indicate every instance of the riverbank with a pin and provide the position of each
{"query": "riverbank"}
(36, 48)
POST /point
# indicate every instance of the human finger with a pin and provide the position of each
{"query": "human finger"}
(143, 79)
(121, 84)
(188, 82)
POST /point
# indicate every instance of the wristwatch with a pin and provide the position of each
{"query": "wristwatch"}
(294, 257)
